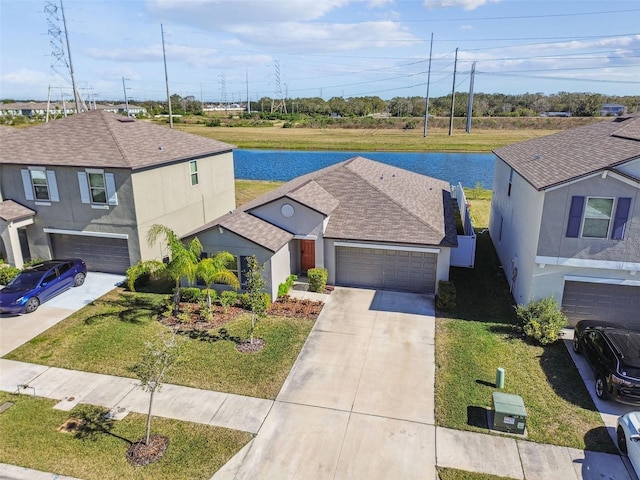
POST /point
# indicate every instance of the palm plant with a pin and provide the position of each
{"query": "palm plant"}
(215, 270)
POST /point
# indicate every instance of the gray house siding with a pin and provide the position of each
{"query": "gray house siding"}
(553, 240)
(304, 220)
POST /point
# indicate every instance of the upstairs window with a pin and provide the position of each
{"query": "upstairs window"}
(97, 188)
(40, 185)
(597, 217)
(193, 171)
(510, 182)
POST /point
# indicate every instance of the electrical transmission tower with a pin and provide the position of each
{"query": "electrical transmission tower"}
(223, 91)
(282, 104)
(62, 57)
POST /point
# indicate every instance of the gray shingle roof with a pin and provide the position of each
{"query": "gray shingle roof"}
(254, 229)
(103, 139)
(548, 161)
(366, 201)
(11, 210)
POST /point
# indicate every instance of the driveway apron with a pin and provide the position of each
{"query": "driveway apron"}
(358, 402)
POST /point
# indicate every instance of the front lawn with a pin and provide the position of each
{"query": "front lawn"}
(31, 438)
(480, 336)
(109, 336)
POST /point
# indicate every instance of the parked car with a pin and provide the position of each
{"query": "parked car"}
(613, 350)
(38, 283)
(629, 438)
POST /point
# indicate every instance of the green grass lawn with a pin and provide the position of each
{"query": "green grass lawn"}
(108, 336)
(30, 438)
(453, 474)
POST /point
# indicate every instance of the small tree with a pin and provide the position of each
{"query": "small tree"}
(255, 287)
(156, 360)
(215, 270)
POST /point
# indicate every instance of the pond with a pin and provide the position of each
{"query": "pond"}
(284, 165)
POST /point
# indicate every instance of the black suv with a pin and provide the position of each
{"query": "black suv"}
(613, 350)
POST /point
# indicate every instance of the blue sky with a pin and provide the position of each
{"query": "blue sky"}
(321, 48)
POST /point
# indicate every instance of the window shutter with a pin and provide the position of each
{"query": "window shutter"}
(112, 196)
(53, 186)
(26, 183)
(84, 187)
(575, 216)
(621, 217)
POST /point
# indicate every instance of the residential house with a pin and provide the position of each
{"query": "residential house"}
(92, 184)
(369, 224)
(613, 110)
(565, 219)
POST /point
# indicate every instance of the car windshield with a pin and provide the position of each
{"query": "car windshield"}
(26, 280)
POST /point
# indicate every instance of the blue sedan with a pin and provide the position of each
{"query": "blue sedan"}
(38, 283)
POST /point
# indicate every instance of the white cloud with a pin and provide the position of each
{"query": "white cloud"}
(24, 77)
(464, 4)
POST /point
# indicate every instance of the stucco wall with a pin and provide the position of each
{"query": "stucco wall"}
(553, 240)
(165, 196)
(304, 220)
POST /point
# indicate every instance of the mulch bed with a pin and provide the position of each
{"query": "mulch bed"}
(140, 454)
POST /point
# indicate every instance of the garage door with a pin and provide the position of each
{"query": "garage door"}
(109, 255)
(386, 269)
(600, 301)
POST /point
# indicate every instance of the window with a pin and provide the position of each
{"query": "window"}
(97, 188)
(597, 217)
(193, 170)
(238, 267)
(510, 182)
(40, 185)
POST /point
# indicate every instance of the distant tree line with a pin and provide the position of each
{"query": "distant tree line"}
(484, 105)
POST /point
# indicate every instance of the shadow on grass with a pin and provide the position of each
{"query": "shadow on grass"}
(93, 421)
(477, 416)
(205, 336)
(129, 308)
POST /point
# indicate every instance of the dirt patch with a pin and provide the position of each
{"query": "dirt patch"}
(140, 454)
(248, 347)
(72, 425)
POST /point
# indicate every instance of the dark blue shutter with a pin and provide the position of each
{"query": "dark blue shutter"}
(575, 216)
(244, 269)
(620, 220)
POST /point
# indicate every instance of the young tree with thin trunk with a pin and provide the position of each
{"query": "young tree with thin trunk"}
(215, 270)
(255, 287)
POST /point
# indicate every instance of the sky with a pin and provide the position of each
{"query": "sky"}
(228, 50)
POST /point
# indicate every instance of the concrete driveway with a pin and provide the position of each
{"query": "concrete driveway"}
(18, 329)
(358, 402)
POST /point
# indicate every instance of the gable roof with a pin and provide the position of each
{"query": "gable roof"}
(11, 210)
(102, 139)
(555, 159)
(365, 200)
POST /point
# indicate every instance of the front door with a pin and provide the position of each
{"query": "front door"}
(307, 255)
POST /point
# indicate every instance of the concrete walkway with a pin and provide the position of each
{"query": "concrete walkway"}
(358, 403)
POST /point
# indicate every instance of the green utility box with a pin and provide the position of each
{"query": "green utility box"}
(509, 414)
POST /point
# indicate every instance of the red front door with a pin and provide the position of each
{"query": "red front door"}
(307, 255)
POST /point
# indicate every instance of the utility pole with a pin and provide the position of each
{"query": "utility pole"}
(453, 93)
(246, 73)
(166, 77)
(426, 102)
(126, 101)
(470, 101)
(46, 120)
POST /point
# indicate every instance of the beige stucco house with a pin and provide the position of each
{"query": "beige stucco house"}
(91, 185)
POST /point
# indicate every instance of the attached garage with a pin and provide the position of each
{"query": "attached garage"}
(102, 254)
(408, 270)
(600, 301)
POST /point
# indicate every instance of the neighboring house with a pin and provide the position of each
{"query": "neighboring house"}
(91, 185)
(369, 224)
(613, 110)
(565, 219)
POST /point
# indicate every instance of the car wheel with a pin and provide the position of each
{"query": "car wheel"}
(575, 344)
(78, 279)
(32, 305)
(622, 440)
(601, 387)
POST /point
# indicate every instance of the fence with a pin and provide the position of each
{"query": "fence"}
(465, 254)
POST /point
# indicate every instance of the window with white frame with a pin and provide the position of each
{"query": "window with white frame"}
(97, 187)
(597, 217)
(40, 185)
(193, 171)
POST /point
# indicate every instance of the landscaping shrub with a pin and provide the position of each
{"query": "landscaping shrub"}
(8, 273)
(244, 300)
(446, 298)
(542, 320)
(228, 298)
(191, 294)
(317, 279)
(283, 288)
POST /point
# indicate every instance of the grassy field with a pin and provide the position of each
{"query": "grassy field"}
(109, 335)
(362, 139)
(31, 438)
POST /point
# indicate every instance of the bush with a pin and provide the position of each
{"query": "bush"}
(317, 279)
(446, 298)
(245, 301)
(283, 288)
(542, 320)
(8, 273)
(228, 298)
(191, 294)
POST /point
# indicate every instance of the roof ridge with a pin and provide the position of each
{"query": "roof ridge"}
(115, 138)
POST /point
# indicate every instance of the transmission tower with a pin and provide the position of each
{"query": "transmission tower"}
(61, 56)
(282, 105)
(223, 91)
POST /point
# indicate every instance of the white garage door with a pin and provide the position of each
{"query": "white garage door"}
(386, 269)
(101, 254)
(600, 301)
